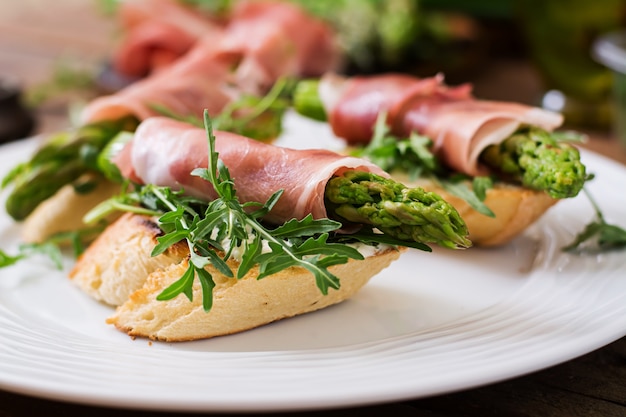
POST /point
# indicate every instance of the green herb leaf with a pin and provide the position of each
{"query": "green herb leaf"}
(250, 256)
(183, 285)
(207, 284)
(462, 190)
(598, 235)
(305, 227)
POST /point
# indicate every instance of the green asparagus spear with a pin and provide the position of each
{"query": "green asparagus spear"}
(409, 214)
(61, 161)
(307, 102)
(539, 161)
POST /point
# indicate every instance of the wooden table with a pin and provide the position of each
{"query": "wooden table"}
(35, 35)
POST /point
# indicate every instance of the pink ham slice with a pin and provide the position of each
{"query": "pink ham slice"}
(264, 41)
(353, 104)
(194, 82)
(460, 125)
(164, 152)
(273, 39)
(156, 33)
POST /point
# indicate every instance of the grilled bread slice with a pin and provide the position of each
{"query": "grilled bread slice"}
(118, 270)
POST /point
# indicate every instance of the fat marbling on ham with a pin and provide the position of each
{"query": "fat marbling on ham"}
(460, 125)
(263, 41)
(165, 152)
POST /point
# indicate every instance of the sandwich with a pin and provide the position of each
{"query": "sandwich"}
(211, 246)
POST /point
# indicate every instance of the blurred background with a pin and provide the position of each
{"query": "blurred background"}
(538, 52)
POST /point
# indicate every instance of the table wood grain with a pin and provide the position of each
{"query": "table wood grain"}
(35, 35)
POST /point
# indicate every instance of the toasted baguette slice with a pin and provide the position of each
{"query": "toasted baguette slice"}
(515, 209)
(238, 304)
(118, 262)
(64, 211)
(118, 270)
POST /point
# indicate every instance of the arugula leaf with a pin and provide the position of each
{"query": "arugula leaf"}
(305, 227)
(474, 197)
(598, 235)
(411, 155)
(183, 285)
(52, 247)
(251, 116)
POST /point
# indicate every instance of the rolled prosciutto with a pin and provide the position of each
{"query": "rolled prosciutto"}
(264, 40)
(460, 125)
(165, 152)
(194, 82)
(158, 32)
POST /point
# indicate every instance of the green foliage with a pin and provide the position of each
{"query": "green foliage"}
(598, 235)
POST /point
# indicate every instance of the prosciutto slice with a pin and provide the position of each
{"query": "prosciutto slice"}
(164, 152)
(460, 125)
(273, 39)
(264, 40)
(194, 82)
(158, 32)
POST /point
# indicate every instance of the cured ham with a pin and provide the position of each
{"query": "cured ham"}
(164, 152)
(265, 40)
(158, 32)
(272, 39)
(353, 104)
(460, 125)
(194, 82)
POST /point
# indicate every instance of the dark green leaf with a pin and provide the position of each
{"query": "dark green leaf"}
(207, 284)
(480, 185)
(274, 264)
(305, 227)
(249, 258)
(48, 249)
(320, 246)
(220, 264)
(205, 226)
(323, 278)
(368, 236)
(165, 241)
(184, 285)
(461, 190)
(8, 260)
(598, 235)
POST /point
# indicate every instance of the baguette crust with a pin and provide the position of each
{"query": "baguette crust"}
(118, 270)
(117, 263)
(515, 209)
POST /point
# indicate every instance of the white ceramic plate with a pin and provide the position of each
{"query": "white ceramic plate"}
(432, 323)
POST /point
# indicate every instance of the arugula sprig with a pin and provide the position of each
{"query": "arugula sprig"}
(51, 247)
(297, 243)
(256, 117)
(598, 235)
(413, 155)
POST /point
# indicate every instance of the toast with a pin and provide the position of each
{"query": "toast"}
(118, 270)
(64, 211)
